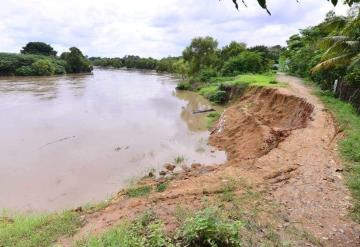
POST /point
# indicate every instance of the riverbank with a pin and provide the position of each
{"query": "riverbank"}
(282, 185)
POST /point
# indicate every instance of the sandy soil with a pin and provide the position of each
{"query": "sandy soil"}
(283, 142)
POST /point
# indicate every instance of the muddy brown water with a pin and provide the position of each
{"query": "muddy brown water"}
(71, 140)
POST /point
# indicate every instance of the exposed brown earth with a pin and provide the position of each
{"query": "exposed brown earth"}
(281, 141)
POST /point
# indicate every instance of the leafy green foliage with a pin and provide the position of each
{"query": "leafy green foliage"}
(76, 61)
(210, 228)
(38, 48)
(43, 67)
(184, 85)
(353, 76)
(138, 191)
(201, 53)
(246, 62)
(37, 230)
(145, 231)
(161, 187)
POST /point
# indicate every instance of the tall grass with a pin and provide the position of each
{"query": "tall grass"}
(36, 230)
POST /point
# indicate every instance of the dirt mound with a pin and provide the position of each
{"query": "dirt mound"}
(259, 122)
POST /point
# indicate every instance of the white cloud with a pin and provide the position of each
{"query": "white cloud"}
(150, 28)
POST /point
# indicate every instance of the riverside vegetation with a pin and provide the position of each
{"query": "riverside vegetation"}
(39, 59)
(332, 48)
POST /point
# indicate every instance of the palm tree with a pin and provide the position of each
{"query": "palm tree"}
(343, 49)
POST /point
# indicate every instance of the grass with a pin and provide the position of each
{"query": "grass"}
(37, 230)
(264, 80)
(179, 159)
(138, 191)
(146, 230)
(349, 123)
(246, 219)
(161, 187)
(212, 118)
(216, 90)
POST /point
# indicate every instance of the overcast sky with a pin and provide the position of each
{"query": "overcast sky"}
(154, 28)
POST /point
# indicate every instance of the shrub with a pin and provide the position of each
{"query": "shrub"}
(206, 74)
(183, 86)
(138, 191)
(25, 71)
(161, 187)
(43, 67)
(220, 97)
(208, 228)
(353, 76)
(246, 62)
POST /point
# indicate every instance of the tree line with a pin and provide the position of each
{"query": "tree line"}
(203, 59)
(40, 59)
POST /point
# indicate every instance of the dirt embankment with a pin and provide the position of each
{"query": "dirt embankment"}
(258, 123)
(281, 142)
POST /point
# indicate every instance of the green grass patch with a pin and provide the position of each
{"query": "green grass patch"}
(37, 230)
(264, 80)
(349, 122)
(212, 118)
(146, 230)
(218, 88)
(161, 187)
(138, 191)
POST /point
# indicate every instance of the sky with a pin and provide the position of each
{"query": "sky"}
(156, 28)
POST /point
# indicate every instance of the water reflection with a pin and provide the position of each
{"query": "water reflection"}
(195, 122)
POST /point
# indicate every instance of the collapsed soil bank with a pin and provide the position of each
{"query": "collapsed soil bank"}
(262, 118)
(281, 142)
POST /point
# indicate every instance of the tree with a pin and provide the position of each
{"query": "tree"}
(38, 48)
(246, 62)
(342, 49)
(201, 53)
(76, 61)
(232, 50)
(263, 3)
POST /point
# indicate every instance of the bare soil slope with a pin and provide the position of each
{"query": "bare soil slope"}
(281, 141)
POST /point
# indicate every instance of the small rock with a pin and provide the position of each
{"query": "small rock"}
(195, 166)
(178, 169)
(78, 209)
(169, 167)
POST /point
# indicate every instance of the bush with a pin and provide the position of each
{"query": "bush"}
(25, 71)
(208, 229)
(220, 97)
(246, 62)
(43, 67)
(353, 76)
(206, 74)
(183, 86)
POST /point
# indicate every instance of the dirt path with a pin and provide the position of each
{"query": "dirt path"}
(315, 196)
(282, 142)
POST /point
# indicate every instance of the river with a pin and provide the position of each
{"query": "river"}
(76, 139)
